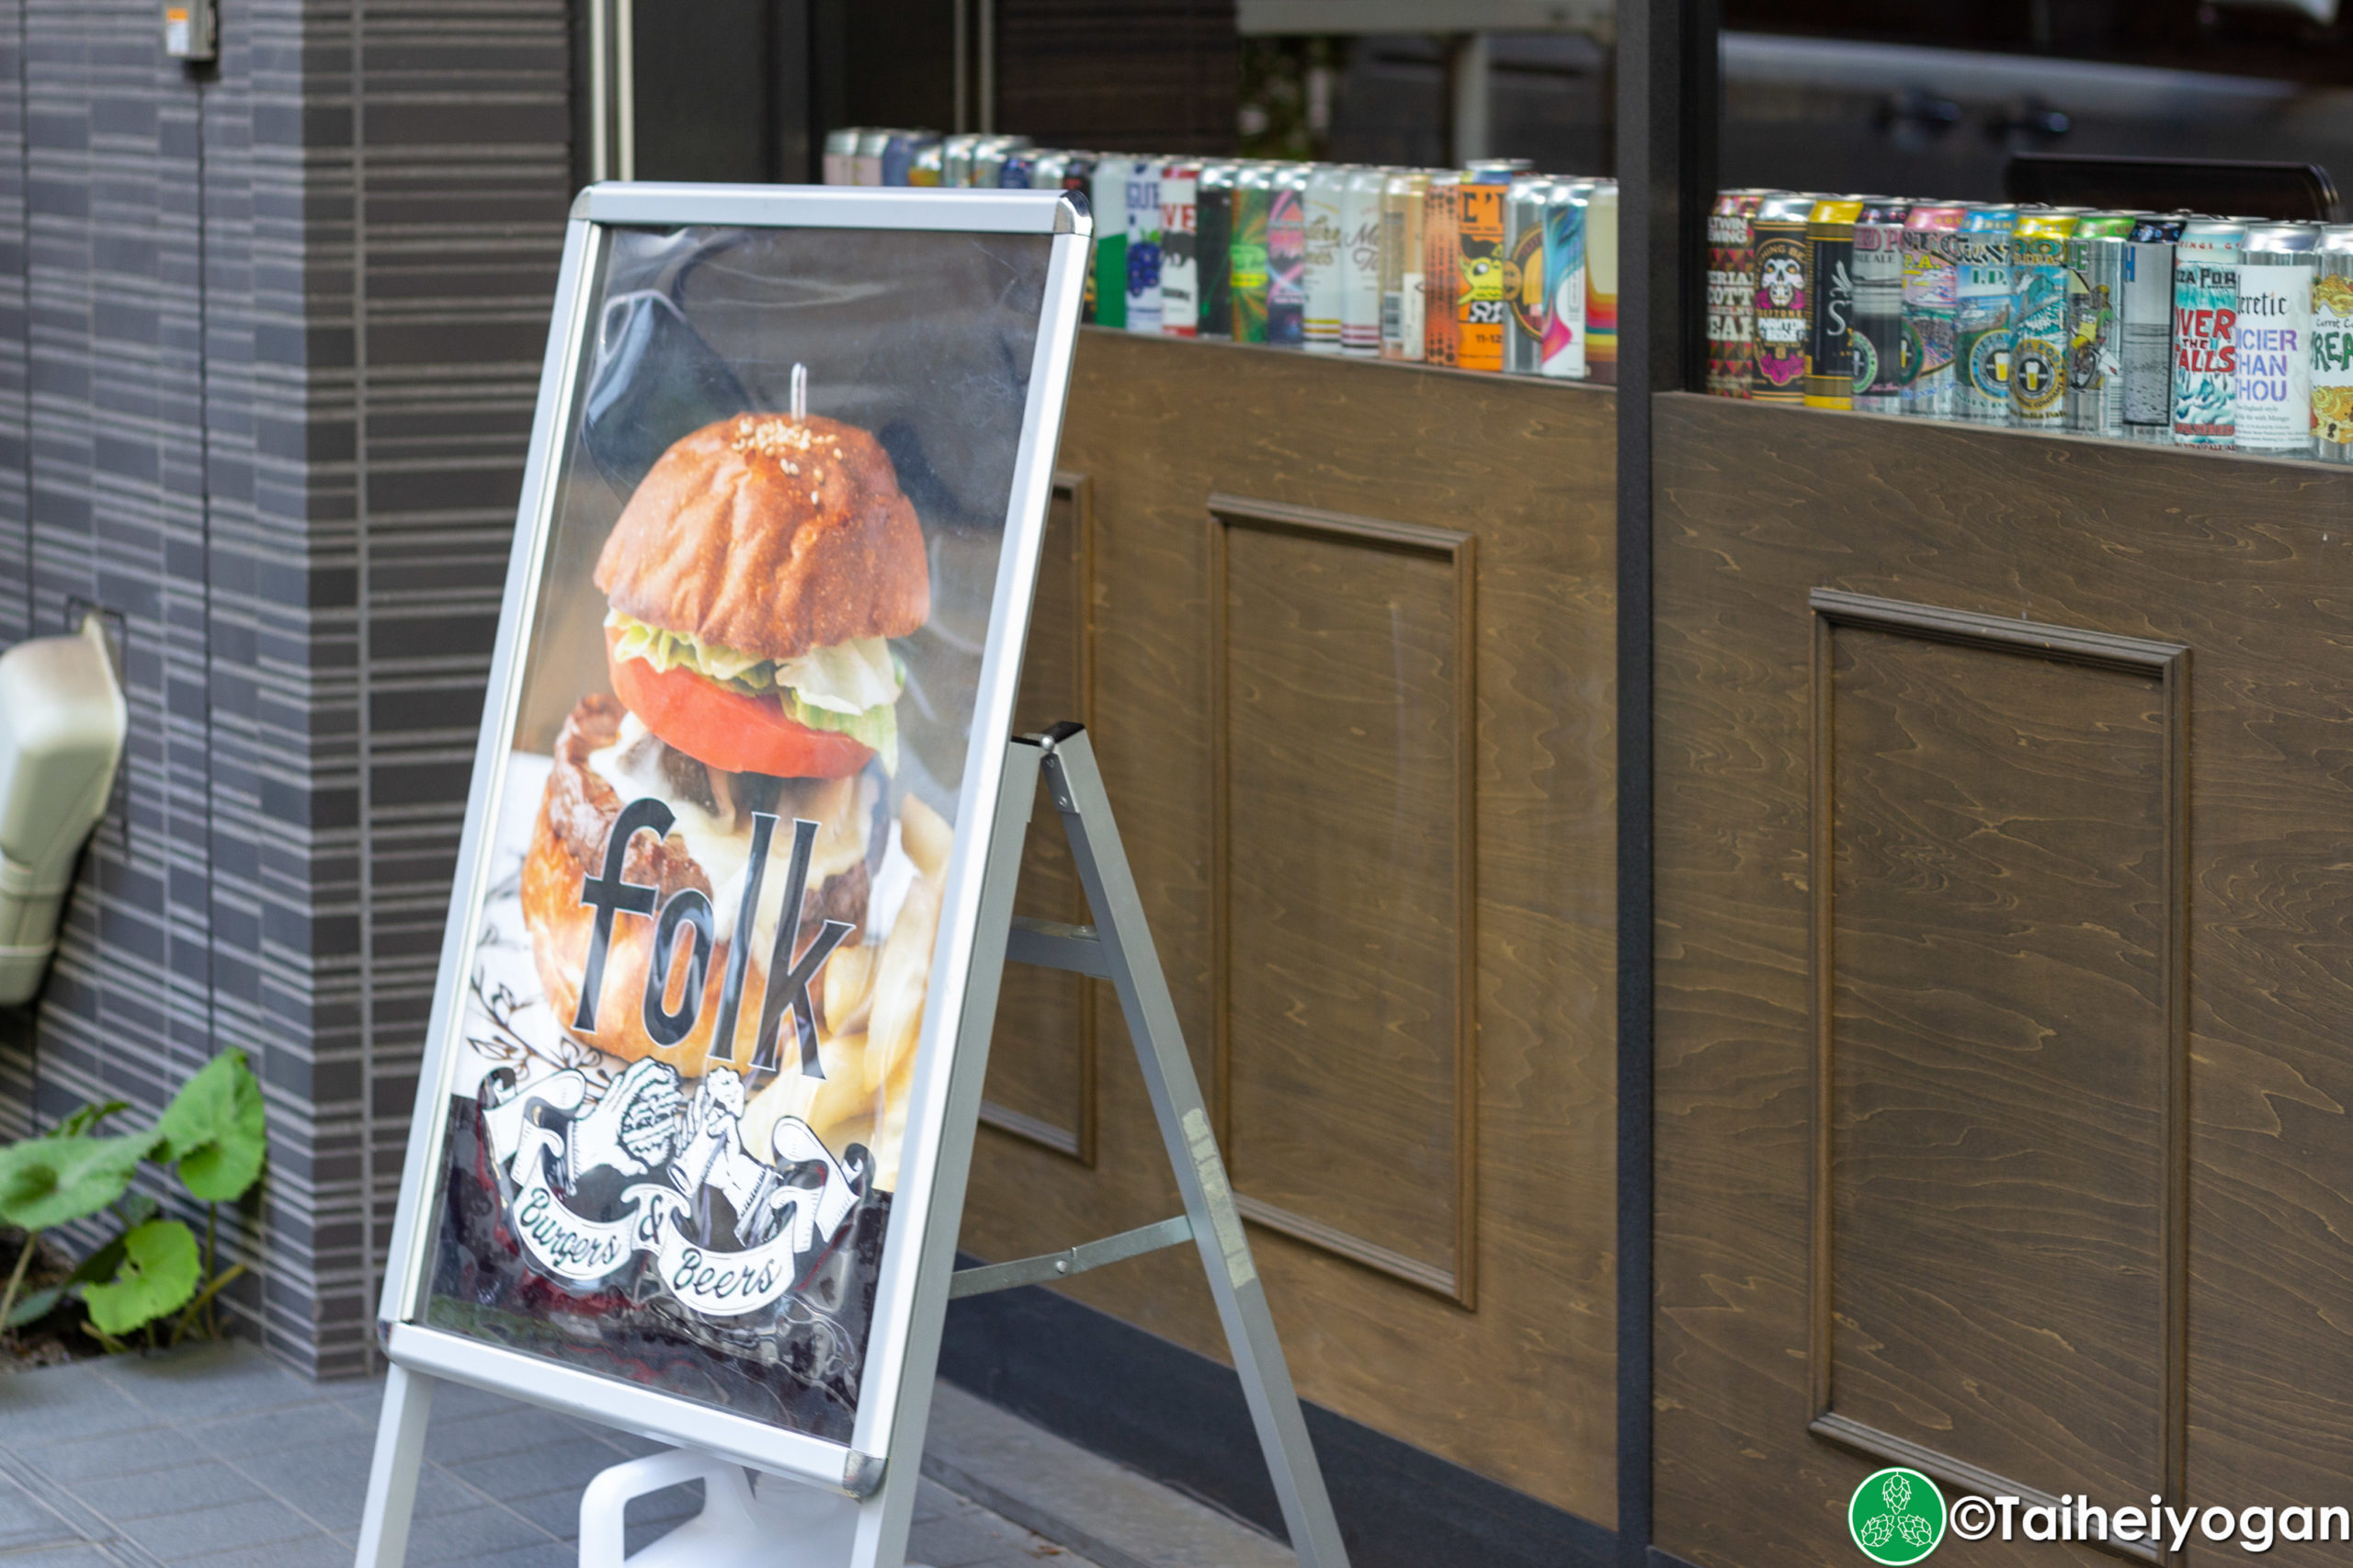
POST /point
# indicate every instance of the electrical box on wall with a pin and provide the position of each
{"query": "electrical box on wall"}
(189, 28)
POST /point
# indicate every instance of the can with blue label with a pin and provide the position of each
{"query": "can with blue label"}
(1982, 314)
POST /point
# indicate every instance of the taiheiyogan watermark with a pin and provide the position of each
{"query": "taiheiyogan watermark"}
(1899, 1516)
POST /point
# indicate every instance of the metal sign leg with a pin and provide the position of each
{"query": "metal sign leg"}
(1127, 957)
(392, 1475)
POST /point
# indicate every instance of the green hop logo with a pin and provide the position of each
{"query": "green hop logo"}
(1897, 1517)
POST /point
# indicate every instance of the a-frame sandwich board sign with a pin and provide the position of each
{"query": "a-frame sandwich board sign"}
(700, 1093)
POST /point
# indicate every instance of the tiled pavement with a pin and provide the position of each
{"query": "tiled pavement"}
(219, 1457)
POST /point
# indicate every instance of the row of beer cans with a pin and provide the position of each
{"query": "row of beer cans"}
(1487, 267)
(2171, 327)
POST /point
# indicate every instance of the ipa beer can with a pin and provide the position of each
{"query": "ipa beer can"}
(1212, 247)
(1360, 263)
(1732, 291)
(1830, 306)
(2205, 332)
(1481, 306)
(2333, 345)
(1601, 283)
(1324, 267)
(1143, 244)
(1782, 287)
(1981, 339)
(1441, 256)
(2038, 368)
(1403, 201)
(1565, 211)
(1930, 238)
(1180, 273)
(1287, 256)
(1878, 320)
(2272, 379)
(1523, 276)
(2144, 324)
(1254, 194)
(2095, 295)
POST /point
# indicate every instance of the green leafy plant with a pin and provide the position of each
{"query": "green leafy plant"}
(212, 1134)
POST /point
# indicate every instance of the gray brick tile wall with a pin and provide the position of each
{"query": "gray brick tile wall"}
(269, 336)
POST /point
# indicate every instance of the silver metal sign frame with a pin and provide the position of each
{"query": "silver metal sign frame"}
(438, 1353)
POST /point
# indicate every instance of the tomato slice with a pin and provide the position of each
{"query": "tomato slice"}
(727, 730)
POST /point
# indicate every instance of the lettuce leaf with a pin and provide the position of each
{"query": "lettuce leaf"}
(852, 689)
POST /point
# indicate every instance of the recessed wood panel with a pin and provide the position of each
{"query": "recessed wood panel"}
(1342, 849)
(1996, 1195)
(1042, 1058)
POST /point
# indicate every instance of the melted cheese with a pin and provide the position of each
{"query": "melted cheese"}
(840, 807)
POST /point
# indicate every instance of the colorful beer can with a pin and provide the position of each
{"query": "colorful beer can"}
(1287, 257)
(2037, 376)
(1925, 370)
(1108, 194)
(1143, 246)
(923, 169)
(1783, 287)
(1214, 249)
(2145, 326)
(1404, 199)
(2205, 332)
(1830, 307)
(1015, 173)
(1981, 335)
(1323, 272)
(1180, 273)
(866, 163)
(2272, 375)
(1360, 262)
(899, 155)
(1442, 259)
(1732, 291)
(1483, 304)
(1878, 320)
(1524, 275)
(1601, 283)
(840, 151)
(1566, 207)
(1254, 194)
(2333, 345)
(2095, 298)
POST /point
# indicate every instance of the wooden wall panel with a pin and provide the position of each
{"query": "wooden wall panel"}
(1042, 1058)
(1996, 1186)
(1341, 744)
(2244, 564)
(1521, 1386)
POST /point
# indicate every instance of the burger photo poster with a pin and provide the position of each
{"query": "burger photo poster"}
(757, 660)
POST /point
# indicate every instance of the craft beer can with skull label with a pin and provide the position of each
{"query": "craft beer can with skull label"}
(1981, 339)
(1929, 285)
(2038, 369)
(1781, 298)
(2333, 345)
(2273, 374)
(2205, 332)
(1878, 307)
(1830, 315)
(2145, 327)
(1480, 305)
(2095, 294)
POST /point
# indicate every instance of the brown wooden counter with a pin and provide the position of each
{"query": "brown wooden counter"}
(2004, 801)
(1343, 633)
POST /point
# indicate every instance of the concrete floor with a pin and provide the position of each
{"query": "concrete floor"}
(219, 1457)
